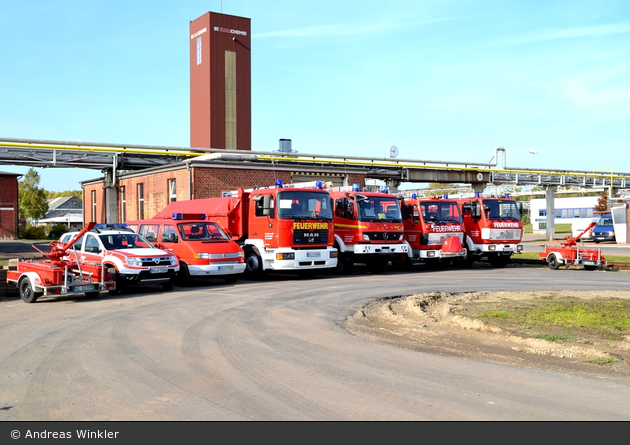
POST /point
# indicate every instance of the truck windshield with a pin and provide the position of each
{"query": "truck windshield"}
(201, 231)
(498, 209)
(441, 212)
(302, 204)
(379, 209)
(120, 241)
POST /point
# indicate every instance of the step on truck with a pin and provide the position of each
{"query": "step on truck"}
(368, 228)
(203, 249)
(494, 230)
(59, 274)
(286, 228)
(434, 229)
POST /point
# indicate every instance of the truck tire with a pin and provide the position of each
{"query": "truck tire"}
(553, 262)
(402, 263)
(377, 265)
(27, 292)
(253, 261)
(499, 260)
(464, 262)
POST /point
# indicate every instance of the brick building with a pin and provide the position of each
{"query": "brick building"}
(144, 193)
(9, 205)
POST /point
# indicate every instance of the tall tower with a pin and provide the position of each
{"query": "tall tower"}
(220, 82)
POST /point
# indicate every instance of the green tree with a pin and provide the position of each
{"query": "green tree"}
(32, 198)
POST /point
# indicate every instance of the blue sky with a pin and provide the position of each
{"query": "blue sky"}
(442, 80)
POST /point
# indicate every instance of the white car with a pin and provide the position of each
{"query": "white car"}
(129, 257)
(580, 225)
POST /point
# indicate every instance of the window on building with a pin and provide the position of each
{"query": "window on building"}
(123, 205)
(93, 206)
(542, 212)
(172, 190)
(141, 201)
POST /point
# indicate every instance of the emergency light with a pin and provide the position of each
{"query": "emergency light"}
(384, 189)
(355, 188)
(319, 185)
(445, 195)
(477, 194)
(414, 196)
(279, 183)
(110, 226)
(507, 196)
(182, 216)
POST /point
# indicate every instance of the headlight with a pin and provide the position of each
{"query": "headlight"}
(401, 237)
(173, 260)
(202, 256)
(334, 254)
(492, 247)
(366, 237)
(134, 262)
(430, 253)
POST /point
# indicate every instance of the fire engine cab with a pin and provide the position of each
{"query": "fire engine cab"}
(368, 228)
(494, 230)
(434, 229)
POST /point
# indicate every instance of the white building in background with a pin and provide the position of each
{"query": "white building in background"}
(567, 210)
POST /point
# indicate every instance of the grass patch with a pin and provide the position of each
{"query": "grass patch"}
(559, 319)
(602, 361)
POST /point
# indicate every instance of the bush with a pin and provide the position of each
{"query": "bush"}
(33, 232)
(57, 230)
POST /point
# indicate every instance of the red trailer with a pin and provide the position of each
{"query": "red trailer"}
(569, 254)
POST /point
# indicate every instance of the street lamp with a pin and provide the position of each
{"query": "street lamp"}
(534, 152)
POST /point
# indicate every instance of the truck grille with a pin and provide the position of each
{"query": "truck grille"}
(310, 236)
(383, 236)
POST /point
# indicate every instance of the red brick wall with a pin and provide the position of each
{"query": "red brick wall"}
(206, 183)
(8, 200)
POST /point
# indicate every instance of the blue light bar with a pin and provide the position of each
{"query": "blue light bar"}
(356, 188)
(319, 184)
(384, 189)
(507, 196)
(477, 194)
(279, 183)
(445, 195)
(414, 196)
(111, 226)
(178, 216)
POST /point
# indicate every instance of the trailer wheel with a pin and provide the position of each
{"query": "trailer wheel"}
(27, 292)
(553, 262)
(253, 263)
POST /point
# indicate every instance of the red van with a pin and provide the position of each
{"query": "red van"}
(201, 245)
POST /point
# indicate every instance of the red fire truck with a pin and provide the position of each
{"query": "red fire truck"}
(60, 274)
(368, 228)
(494, 230)
(281, 228)
(434, 230)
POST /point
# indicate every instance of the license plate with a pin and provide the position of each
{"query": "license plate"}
(589, 263)
(226, 267)
(313, 254)
(158, 269)
(84, 288)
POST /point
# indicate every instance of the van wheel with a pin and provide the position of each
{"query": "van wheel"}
(183, 276)
(253, 264)
(27, 292)
(553, 262)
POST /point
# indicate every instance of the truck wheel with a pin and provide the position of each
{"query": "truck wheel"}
(499, 260)
(553, 262)
(253, 263)
(92, 294)
(27, 292)
(377, 265)
(183, 276)
(464, 262)
(402, 263)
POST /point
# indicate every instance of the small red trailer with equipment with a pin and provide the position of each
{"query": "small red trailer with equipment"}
(286, 228)
(434, 230)
(60, 274)
(570, 255)
(368, 228)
